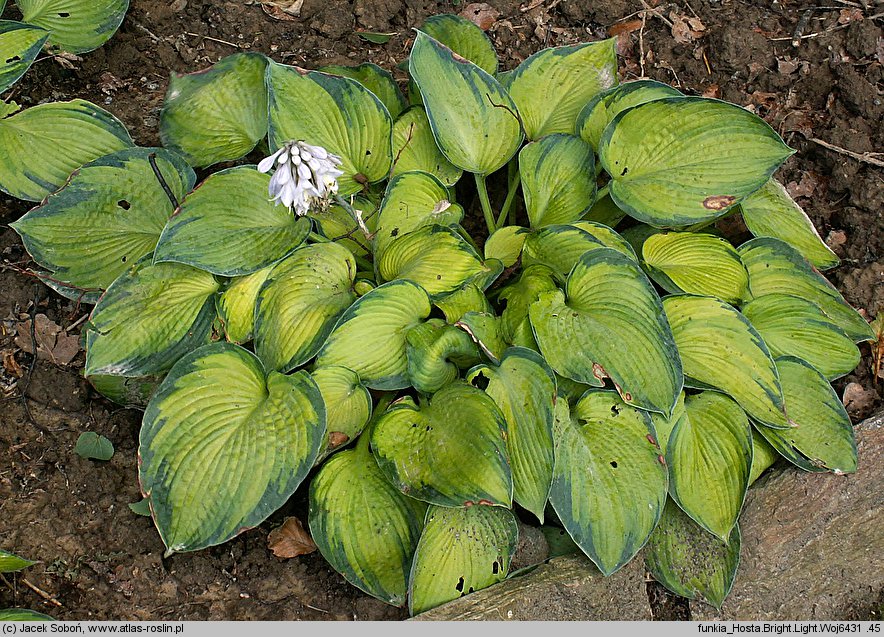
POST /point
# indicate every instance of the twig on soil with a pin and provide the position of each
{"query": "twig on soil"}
(49, 598)
(641, 44)
(75, 323)
(208, 37)
(321, 610)
(799, 28)
(817, 34)
(145, 30)
(863, 157)
(657, 13)
(31, 365)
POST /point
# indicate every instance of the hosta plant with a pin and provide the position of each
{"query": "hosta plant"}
(599, 357)
(11, 563)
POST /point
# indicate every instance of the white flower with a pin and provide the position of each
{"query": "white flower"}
(303, 173)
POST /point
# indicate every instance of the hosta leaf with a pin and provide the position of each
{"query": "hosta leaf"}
(337, 113)
(435, 350)
(300, 302)
(524, 388)
(775, 267)
(684, 160)
(336, 223)
(696, 263)
(370, 337)
(506, 244)
(464, 38)
(450, 451)
(605, 106)
(485, 330)
(414, 148)
(664, 425)
(558, 179)
(229, 226)
(607, 236)
(413, 200)
(114, 206)
(605, 212)
(347, 404)
(689, 561)
(19, 46)
(551, 86)
(609, 484)
(609, 323)
(23, 615)
(771, 212)
(792, 326)
(558, 247)
(9, 562)
(469, 298)
(824, 438)
(375, 79)
(709, 454)
(77, 26)
(133, 392)
(363, 525)
(223, 445)
(43, 145)
(518, 297)
(474, 120)
(719, 348)
(236, 305)
(461, 550)
(763, 455)
(434, 257)
(149, 318)
(217, 114)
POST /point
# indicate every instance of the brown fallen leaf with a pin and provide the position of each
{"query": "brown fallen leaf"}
(53, 343)
(285, 10)
(803, 188)
(836, 239)
(290, 540)
(336, 439)
(10, 364)
(686, 29)
(178, 6)
(624, 27)
(857, 400)
(481, 14)
(713, 90)
(846, 16)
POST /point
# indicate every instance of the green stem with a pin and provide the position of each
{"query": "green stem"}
(601, 193)
(508, 202)
(486, 203)
(318, 238)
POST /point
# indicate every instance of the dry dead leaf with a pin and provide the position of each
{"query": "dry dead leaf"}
(178, 6)
(481, 14)
(879, 50)
(11, 365)
(836, 239)
(337, 438)
(686, 29)
(713, 90)
(285, 10)
(878, 349)
(858, 401)
(53, 343)
(787, 65)
(804, 188)
(846, 16)
(290, 540)
(624, 27)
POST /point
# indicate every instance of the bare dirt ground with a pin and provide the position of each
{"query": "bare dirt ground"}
(97, 559)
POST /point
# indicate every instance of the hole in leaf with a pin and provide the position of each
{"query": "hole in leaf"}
(615, 410)
(472, 590)
(123, 259)
(367, 152)
(624, 171)
(14, 58)
(480, 381)
(125, 205)
(614, 464)
(495, 568)
(394, 232)
(459, 586)
(64, 14)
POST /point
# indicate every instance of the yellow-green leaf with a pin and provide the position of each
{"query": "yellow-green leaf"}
(609, 323)
(370, 337)
(43, 145)
(229, 226)
(9, 562)
(336, 223)
(461, 550)
(550, 87)
(414, 148)
(609, 484)
(76, 26)
(375, 79)
(474, 120)
(524, 388)
(300, 302)
(684, 160)
(450, 450)
(506, 244)
(19, 46)
(435, 351)
(792, 326)
(696, 263)
(771, 212)
(823, 439)
(217, 114)
(558, 179)
(558, 247)
(347, 405)
(464, 38)
(719, 348)
(236, 305)
(223, 445)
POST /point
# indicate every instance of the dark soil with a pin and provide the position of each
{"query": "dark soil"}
(99, 560)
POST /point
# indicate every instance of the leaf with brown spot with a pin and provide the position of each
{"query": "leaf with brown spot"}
(290, 540)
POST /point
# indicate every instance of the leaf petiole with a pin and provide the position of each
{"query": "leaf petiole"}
(486, 203)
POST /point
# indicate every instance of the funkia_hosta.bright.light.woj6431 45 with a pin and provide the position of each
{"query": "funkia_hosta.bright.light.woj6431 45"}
(612, 365)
